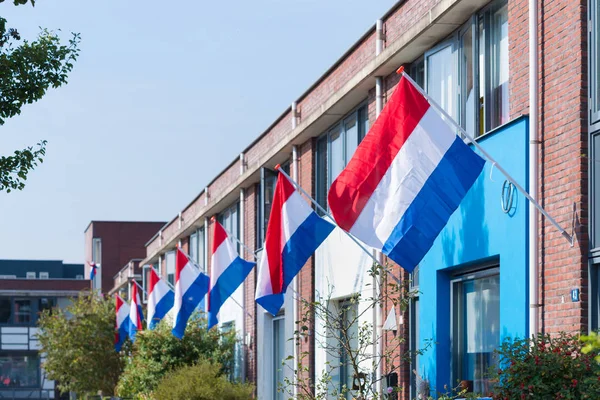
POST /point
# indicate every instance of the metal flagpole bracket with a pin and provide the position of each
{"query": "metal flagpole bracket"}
(486, 155)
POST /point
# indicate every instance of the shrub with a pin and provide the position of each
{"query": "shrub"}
(546, 367)
(203, 381)
(156, 352)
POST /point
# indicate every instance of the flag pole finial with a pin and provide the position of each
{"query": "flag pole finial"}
(213, 219)
(400, 70)
(277, 167)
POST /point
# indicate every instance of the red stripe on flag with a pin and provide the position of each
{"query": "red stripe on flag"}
(353, 187)
(274, 237)
(180, 262)
(152, 280)
(219, 236)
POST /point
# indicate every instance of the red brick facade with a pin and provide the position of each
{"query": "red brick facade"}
(121, 242)
(563, 172)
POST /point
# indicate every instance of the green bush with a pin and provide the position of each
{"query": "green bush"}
(156, 352)
(546, 367)
(203, 381)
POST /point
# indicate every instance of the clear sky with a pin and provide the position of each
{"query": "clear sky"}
(163, 97)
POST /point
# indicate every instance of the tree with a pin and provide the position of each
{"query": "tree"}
(347, 340)
(27, 71)
(78, 342)
(202, 381)
(157, 352)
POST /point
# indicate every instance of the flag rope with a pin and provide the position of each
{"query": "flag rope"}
(433, 103)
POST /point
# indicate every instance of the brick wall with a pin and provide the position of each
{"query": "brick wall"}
(563, 135)
(121, 242)
(250, 200)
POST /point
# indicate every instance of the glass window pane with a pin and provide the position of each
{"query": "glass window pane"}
(269, 182)
(22, 311)
(194, 247)
(170, 260)
(46, 303)
(596, 56)
(500, 110)
(363, 123)
(201, 250)
(440, 78)
(278, 357)
(477, 330)
(467, 96)
(321, 172)
(19, 370)
(351, 131)
(229, 220)
(5, 310)
(483, 87)
(349, 331)
(337, 162)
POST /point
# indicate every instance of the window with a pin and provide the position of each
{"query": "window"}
(266, 191)
(19, 370)
(22, 311)
(170, 261)
(44, 275)
(194, 247)
(78, 276)
(594, 159)
(46, 303)
(278, 356)
(5, 310)
(467, 74)
(348, 334)
(235, 368)
(335, 148)
(197, 248)
(475, 328)
(97, 259)
(229, 219)
(30, 275)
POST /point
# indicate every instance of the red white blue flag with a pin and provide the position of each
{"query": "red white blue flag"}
(406, 178)
(122, 322)
(228, 272)
(135, 312)
(160, 298)
(190, 288)
(294, 233)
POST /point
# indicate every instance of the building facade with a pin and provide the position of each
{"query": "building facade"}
(473, 286)
(112, 245)
(27, 288)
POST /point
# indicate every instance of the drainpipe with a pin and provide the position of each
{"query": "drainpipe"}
(534, 143)
(377, 327)
(243, 251)
(295, 283)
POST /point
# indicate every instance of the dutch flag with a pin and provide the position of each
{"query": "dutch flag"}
(122, 322)
(135, 312)
(294, 233)
(93, 268)
(160, 299)
(190, 288)
(228, 272)
(406, 178)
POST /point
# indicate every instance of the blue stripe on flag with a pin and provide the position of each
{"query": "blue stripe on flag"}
(162, 308)
(296, 252)
(123, 332)
(191, 299)
(231, 278)
(431, 209)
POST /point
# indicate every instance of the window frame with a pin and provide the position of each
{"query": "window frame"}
(34, 312)
(480, 272)
(280, 318)
(360, 117)
(26, 353)
(413, 332)
(167, 254)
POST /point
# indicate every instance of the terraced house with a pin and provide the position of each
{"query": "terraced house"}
(515, 74)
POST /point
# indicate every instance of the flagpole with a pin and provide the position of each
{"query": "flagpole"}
(355, 240)
(432, 102)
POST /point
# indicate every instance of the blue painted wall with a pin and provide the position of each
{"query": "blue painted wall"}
(478, 231)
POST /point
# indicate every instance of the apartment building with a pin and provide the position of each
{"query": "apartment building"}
(112, 245)
(28, 287)
(498, 269)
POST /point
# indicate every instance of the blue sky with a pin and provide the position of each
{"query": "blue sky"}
(160, 101)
